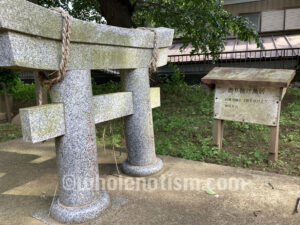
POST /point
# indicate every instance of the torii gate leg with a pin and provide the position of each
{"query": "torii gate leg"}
(80, 198)
(139, 132)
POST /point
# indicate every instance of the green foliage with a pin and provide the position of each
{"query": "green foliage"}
(204, 24)
(9, 132)
(22, 91)
(8, 77)
(83, 10)
(109, 87)
(111, 133)
(175, 82)
(19, 89)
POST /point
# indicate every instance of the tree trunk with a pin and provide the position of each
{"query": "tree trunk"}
(117, 12)
(34, 1)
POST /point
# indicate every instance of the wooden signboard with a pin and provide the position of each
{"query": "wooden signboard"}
(247, 104)
(249, 95)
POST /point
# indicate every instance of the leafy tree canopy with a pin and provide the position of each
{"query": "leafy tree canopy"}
(203, 23)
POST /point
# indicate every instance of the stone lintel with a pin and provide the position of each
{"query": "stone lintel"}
(22, 16)
(27, 52)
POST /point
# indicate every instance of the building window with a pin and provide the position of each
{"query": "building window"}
(254, 18)
(233, 2)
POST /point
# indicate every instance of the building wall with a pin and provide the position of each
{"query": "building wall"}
(263, 5)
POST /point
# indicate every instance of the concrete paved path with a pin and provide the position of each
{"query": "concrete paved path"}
(177, 195)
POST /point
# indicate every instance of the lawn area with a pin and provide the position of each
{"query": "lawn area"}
(183, 128)
(9, 132)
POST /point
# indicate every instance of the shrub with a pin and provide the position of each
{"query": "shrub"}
(22, 91)
(174, 84)
(109, 87)
(8, 77)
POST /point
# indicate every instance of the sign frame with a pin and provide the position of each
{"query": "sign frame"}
(244, 95)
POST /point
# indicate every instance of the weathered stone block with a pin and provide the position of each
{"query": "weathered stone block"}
(41, 123)
(155, 97)
(112, 106)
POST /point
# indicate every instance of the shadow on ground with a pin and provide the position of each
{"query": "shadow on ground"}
(28, 180)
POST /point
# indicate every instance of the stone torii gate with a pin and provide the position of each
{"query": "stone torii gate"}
(30, 38)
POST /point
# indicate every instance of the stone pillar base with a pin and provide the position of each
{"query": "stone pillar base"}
(141, 171)
(71, 215)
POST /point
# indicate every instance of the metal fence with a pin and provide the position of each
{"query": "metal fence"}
(238, 56)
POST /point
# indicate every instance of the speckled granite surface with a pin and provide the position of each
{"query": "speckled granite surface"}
(76, 152)
(139, 126)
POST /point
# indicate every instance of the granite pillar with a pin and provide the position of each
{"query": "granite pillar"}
(80, 198)
(142, 160)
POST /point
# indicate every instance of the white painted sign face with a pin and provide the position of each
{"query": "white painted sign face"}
(247, 104)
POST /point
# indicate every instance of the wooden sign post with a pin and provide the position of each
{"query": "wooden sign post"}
(249, 95)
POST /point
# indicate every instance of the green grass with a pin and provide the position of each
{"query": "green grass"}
(9, 132)
(183, 128)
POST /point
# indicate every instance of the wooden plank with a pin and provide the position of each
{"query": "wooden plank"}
(273, 143)
(41, 123)
(274, 138)
(283, 92)
(24, 17)
(218, 132)
(250, 76)
(247, 104)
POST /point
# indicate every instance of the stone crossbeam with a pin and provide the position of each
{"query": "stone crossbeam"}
(30, 37)
(155, 97)
(112, 106)
(41, 123)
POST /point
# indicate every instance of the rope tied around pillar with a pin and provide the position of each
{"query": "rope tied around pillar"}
(57, 76)
(153, 63)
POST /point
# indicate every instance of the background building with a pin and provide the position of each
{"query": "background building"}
(278, 24)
